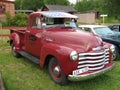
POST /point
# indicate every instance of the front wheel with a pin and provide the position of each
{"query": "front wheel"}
(56, 72)
(14, 53)
(115, 54)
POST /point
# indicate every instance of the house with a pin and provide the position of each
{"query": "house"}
(6, 6)
(67, 9)
(88, 17)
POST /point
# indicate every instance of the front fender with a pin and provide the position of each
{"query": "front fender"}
(62, 54)
(15, 38)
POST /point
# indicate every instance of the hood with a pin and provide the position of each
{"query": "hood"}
(73, 39)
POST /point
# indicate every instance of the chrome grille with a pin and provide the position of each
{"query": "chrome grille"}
(94, 60)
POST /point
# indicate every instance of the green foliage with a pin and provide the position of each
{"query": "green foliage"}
(28, 4)
(20, 19)
(57, 2)
(37, 4)
(110, 7)
(84, 5)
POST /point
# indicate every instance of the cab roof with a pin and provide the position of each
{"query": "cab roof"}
(56, 14)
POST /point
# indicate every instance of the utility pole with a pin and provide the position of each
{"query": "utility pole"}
(103, 17)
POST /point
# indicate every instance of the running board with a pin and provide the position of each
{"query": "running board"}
(30, 57)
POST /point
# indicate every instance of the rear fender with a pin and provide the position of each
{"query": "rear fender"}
(15, 38)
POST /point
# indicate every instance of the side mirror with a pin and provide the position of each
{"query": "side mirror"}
(43, 26)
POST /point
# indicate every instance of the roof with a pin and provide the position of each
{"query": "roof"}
(60, 8)
(8, 1)
(24, 11)
(54, 14)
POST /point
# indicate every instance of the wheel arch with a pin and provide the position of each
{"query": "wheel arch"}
(47, 59)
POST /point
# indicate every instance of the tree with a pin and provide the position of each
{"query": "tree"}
(37, 4)
(84, 5)
(29, 4)
(57, 2)
(112, 7)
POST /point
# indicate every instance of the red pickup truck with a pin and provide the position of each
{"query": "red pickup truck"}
(51, 39)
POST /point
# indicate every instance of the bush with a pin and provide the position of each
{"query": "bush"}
(20, 19)
(108, 20)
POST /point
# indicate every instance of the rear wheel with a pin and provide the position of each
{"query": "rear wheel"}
(14, 53)
(56, 72)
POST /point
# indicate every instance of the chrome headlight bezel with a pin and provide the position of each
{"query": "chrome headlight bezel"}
(74, 56)
(112, 48)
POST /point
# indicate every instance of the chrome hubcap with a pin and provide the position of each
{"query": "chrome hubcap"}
(56, 71)
(113, 55)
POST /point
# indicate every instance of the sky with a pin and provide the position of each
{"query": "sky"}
(72, 1)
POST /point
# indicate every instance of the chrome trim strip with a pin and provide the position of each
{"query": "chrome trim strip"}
(94, 53)
(106, 62)
(91, 65)
(91, 57)
(96, 68)
(92, 61)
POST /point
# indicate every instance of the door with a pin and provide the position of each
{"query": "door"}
(34, 36)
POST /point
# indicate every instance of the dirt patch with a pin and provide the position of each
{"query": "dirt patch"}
(1, 83)
(4, 35)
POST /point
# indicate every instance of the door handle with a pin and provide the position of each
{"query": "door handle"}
(32, 37)
(27, 31)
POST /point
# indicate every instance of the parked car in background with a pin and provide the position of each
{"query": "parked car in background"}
(107, 35)
(115, 27)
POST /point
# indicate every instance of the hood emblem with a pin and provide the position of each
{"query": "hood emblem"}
(98, 48)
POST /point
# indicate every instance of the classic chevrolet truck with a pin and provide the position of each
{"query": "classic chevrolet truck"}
(51, 39)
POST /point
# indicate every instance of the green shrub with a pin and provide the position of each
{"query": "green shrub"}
(20, 19)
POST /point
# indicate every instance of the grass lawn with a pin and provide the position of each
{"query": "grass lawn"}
(21, 74)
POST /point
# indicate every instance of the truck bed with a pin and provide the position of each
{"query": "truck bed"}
(22, 31)
(21, 34)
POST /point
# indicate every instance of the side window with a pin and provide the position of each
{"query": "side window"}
(35, 22)
(116, 28)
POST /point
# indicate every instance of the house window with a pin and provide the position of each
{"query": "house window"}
(2, 9)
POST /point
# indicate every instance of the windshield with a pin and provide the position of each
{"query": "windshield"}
(60, 22)
(102, 30)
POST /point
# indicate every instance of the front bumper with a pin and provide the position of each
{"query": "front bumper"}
(90, 75)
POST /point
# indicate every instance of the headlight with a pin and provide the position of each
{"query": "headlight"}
(112, 48)
(73, 56)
